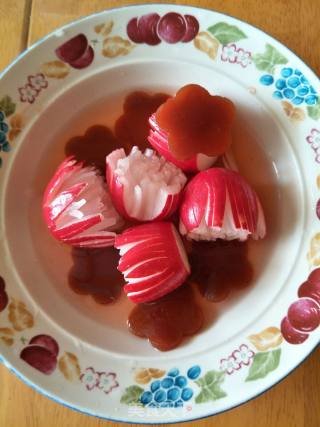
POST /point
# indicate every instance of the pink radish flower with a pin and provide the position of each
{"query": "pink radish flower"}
(143, 186)
(153, 260)
(77, 207)
(159, 141)
(219, 203)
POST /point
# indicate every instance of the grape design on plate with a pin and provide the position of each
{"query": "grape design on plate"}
(304, 314)
(76, 52)
(41, 353)
(172, 391)
(170, 28)
(292, 85)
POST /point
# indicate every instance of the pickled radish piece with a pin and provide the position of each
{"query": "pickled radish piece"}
(159, 141)
(77, 207)
(219, 203)
(196, 122)
(143, 186)
(153, 261)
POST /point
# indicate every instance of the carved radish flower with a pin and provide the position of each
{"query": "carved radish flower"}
(159, 141)
(219, 203)
(153, 260)
(143, 186)
(77, 207)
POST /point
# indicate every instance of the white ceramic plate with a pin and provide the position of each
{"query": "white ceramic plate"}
(95, 365)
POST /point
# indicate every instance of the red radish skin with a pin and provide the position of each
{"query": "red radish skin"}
(219, 203)
(143, 187)
(77, 207)
(159, 141)
(153, 261)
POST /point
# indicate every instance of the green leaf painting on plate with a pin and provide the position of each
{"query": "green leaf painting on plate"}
(131, 396)
(210, 385)
(264, 363)
(268, 60)
(7, 105)
(314, 111)
(226, 33)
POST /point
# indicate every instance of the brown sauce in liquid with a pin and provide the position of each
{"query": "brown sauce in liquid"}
(95, 273)
(217, 267)
(93, 147)
(168, 320)
(132, 128)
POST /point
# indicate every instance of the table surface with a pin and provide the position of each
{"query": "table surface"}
(295, 401)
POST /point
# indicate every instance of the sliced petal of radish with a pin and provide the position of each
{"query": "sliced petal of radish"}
(77, 207)
(143, 186)
(219, 203)
(153, 260)
(159, 141)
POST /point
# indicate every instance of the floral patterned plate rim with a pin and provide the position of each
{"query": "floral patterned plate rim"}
(49, 344)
